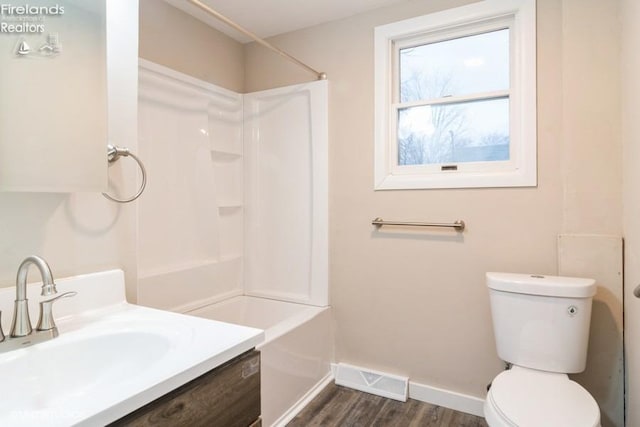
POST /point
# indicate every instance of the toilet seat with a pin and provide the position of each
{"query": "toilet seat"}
(525, 397)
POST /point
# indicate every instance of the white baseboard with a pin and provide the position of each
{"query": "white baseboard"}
(304, 401)
(334, 368)
(446, 398)
(441, 397)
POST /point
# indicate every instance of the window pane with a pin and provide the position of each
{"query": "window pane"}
(454, 133)
(461, 66)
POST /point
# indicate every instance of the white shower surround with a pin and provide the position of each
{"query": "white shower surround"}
(286, 193)
(238, 191)
(190, 220)
(234, 223)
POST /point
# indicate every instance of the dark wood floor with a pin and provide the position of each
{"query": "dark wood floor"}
(343, 407)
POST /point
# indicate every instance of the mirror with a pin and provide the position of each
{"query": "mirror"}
(53, 96)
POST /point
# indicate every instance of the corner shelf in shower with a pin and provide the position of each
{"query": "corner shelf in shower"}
(225, 156)
(228, 209)
(228, 178)
(231, 258)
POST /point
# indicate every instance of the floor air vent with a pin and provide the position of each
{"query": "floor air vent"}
(378, 383)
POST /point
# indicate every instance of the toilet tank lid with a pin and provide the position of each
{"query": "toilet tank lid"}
(535, 284)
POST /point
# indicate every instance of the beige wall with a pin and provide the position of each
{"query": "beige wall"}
(591, 169)
(413, 302)
(170, 37)
(630, 70)
(408, 302)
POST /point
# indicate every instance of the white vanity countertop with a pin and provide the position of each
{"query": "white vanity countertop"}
(111, 357)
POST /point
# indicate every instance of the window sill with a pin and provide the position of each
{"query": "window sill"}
(457, 180)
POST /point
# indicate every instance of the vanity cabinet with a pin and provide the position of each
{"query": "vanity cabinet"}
(228, 396)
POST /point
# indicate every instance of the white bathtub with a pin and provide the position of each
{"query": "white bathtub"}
(296, 353)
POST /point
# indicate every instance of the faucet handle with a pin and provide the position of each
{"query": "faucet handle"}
(46, 322)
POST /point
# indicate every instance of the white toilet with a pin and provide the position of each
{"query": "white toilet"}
(541, 325)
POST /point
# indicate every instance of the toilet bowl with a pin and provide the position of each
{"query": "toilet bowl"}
(525, 397)
(541, 326)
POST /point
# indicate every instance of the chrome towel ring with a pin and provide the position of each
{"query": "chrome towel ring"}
(113, 154)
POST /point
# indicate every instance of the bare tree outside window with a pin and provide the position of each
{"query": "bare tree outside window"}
(428, 134)
(469, 131)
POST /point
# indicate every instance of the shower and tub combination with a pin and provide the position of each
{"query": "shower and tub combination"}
(233, 225)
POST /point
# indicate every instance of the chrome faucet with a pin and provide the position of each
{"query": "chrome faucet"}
(21, 324)
(22, 334)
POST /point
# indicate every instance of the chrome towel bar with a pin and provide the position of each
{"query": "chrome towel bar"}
(458, 225)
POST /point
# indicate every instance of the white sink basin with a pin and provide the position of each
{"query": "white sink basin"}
(109, 361)
(75, 367)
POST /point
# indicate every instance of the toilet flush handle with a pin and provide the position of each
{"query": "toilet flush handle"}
(636, 291)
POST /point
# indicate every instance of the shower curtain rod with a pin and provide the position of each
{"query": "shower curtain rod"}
(229, 22)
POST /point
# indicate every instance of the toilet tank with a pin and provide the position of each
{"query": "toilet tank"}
(541, 322)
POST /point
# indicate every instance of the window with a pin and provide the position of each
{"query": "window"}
(456, 98)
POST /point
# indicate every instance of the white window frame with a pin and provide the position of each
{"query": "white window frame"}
(476, 18)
